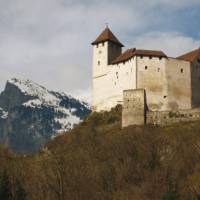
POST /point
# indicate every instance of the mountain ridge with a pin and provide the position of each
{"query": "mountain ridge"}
(29, 109)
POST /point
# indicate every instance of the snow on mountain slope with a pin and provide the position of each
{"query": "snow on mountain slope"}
(35, 90)
(44, 97)
(29, 110)
(3, 114)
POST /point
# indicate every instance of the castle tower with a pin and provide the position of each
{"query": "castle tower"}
(105, 49)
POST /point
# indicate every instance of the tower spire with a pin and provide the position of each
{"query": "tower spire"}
(107, 35)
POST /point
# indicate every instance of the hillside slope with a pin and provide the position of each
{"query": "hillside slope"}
(97, 160)
(136, 163)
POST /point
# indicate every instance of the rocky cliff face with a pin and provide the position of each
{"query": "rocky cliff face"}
(30, 114)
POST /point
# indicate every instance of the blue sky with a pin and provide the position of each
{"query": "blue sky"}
(48, 41)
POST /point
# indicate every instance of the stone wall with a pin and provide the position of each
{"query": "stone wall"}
(151, 75)
(171, 117)
(179, 92)
(133, 112)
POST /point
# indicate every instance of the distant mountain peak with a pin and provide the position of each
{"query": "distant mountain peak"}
(29, 110)
(33, 89)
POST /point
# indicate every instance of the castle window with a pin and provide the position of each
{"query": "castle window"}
(181, 70)
(99, 62)
(158, 69)
(146, 67)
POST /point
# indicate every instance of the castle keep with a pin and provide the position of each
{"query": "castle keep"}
(145, 82)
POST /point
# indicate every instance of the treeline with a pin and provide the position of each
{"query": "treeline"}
(99, 161)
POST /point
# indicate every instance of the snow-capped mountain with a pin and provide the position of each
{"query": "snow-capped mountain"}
(30, 114)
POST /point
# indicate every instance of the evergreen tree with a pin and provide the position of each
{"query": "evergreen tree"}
(5, 186)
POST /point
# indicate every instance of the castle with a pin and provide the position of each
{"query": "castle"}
(143, 81)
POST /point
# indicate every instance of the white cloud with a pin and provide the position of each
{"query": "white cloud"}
(48, 41)
(172, 43)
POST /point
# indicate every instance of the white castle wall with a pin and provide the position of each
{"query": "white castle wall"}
(109, 81)
(169, 83)
(108, 88)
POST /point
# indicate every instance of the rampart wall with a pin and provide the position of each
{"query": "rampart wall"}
(171, 117)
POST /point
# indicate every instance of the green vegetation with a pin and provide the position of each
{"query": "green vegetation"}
(99, 161)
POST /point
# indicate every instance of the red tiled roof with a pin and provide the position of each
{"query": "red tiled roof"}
(190, 56)
(128, 54)
(107, 35)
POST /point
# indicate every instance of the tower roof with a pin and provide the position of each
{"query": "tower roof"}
(107, 35)
(190, 56)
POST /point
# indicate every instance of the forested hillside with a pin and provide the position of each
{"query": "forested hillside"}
(99, 161)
